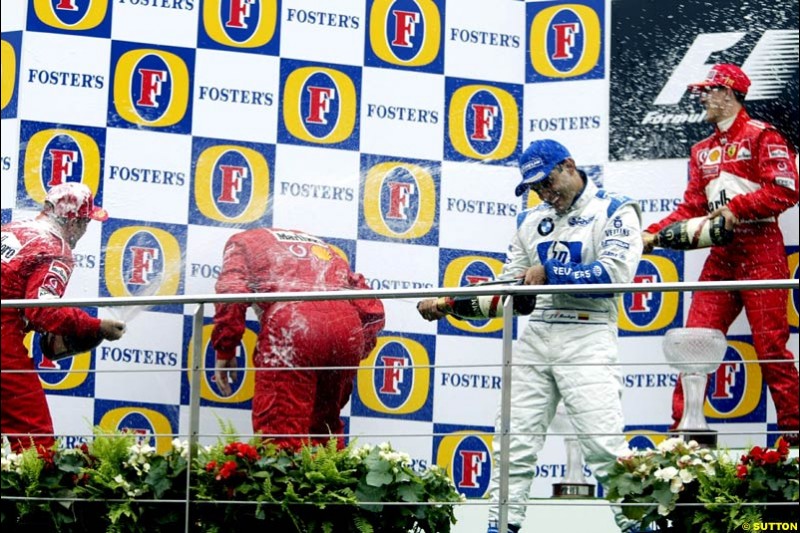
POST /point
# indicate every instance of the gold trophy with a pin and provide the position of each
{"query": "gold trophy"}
(695, 352)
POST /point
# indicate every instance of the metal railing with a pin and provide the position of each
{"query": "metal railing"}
(504, 430)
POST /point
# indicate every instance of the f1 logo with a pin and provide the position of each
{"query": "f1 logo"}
(766, 82)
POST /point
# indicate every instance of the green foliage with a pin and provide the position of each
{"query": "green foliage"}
(118, 484)
(676, 472)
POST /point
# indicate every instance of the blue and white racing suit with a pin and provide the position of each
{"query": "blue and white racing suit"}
(598, 240)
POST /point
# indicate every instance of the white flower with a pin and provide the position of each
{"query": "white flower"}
(663, 510)
(692, 445)
(686, 476)
(670, 444)
(667, 474)
(676, 485)
(708, 457)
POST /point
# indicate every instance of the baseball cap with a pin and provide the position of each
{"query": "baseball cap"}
(724, 75)
(75, 200)
(538, 161)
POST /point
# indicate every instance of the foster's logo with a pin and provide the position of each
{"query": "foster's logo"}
(242, 389)
(246, 25)
(320, 106)
(646, 438)
(793, 304)
(482, 122)
(467, 456)
(151, 88)
(9, 55)
(53, 156)
(145, 422)
(231, 183)
(70, 375)
(143, 259)
(463, 270)
(405, 34)
(399, 202)
(565, 41)
(651, 313)
(87, 17)
(397, 379)
(735, 390)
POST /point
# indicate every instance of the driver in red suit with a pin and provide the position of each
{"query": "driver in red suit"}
(294, 334)
(746, 172)
(37, 264)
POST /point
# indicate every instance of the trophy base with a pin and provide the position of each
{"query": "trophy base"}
(573, 490)
(704, 437)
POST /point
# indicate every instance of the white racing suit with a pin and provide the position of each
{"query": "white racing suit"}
(597, 241)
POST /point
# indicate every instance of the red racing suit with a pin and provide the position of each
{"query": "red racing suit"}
(295, 334)
(751, 169)
(36, 264)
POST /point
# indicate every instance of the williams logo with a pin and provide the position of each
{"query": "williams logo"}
(391, 385)
(154, 424)
(735, 391)
(9, 48)
(652, 313)
(467, 456)
(463, 268)
(231, 183)
(405, 34)
(244, 25)
(400, 198)
(54, 155)
(151, 88)
(482, 121)
(83, 17)
(320, 105)
(71, 375)
(565, 41)
(144, 260)
(242, 389)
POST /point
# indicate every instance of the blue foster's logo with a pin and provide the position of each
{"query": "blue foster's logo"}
(405, 34)
(242, 25)
(467, 456)
(652, 313)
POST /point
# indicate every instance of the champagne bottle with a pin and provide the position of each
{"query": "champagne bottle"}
(693, 233)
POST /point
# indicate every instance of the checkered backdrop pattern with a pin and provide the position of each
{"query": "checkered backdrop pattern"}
(389, 128)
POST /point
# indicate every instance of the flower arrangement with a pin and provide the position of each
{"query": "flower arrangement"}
(652, 483)
(117, 483)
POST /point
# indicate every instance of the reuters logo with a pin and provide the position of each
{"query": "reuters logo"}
(56, 156)
(142, 259)
(400, 200)
(483, 122)
(244, 24)
(71, 15)
(407, 36)
(565, 41)
(151, 88)
(401, 382)
(232, 184)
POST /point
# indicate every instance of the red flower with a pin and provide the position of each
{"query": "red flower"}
(210, 466)
(783, 447)
(772, 457)
(242, 451)
(741, 471)
(227, 470)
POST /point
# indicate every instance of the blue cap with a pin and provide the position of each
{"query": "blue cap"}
(538, 161)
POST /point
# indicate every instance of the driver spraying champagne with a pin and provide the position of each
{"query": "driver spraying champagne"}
(37, 263)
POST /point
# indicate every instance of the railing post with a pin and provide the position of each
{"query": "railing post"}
(505, 410)
(198, 359)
